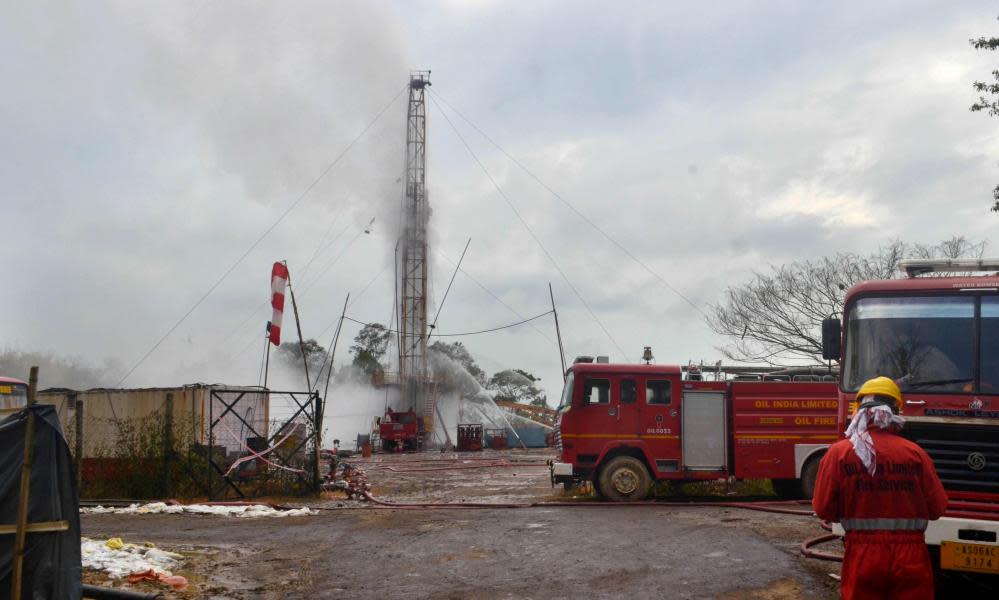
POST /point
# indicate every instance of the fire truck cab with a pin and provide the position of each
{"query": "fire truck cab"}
(938, 337)
(624, 426)
(400, 431)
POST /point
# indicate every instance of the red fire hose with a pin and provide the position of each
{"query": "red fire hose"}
(806, 548)
(489, 465)
(358, 486)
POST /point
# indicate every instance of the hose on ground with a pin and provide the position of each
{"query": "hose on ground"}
(356, 485)
(807, 548)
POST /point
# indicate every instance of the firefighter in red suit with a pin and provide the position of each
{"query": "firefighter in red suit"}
(882, 489)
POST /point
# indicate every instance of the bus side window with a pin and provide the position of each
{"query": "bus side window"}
(657, 391)
(596, 391)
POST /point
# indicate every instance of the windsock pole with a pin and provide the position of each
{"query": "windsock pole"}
(267, 357)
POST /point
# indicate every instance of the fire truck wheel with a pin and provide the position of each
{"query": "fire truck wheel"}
(625, 478)
(808, 474)
(388, 445)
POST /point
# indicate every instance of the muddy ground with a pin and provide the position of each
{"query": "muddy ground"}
(352, 550)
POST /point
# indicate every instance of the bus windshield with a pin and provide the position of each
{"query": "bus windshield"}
(13, 395)
(566, 392)
(928, 343)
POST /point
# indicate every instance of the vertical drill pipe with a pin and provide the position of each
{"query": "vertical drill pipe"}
(21, 531)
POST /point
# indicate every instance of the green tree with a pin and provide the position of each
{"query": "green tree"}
(370, 345)
(457, 352)
(988, 100)
(517, 385)
(777, 316)
(290, 353)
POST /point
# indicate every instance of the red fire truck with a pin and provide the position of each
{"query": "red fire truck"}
(623, 426)
(938, 336)
(400, 431)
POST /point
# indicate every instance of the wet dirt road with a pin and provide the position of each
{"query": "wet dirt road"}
(541, 552)
(527, 553)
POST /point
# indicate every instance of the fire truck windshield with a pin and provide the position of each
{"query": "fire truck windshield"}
(566, 392)
(926, 342)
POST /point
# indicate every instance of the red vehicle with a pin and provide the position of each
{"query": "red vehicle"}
(938, 337)
(625, 426)
(400, 431)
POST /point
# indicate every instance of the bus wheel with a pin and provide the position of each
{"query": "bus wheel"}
(624, 479)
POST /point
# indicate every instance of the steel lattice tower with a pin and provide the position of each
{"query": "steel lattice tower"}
(414, 274)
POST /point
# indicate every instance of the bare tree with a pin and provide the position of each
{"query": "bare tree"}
(989, 104)
(776, 317)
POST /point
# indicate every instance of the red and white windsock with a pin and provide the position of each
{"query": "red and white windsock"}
(279, 281)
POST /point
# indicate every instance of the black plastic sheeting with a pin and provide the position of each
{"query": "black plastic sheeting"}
(52, 559)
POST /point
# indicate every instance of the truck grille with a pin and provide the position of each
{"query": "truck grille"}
(966, 457)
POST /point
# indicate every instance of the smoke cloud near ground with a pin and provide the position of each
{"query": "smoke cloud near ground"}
(56, 371)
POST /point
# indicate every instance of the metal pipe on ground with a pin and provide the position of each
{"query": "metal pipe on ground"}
(102, 593)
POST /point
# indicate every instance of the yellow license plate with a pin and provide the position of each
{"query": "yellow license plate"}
(962, 556)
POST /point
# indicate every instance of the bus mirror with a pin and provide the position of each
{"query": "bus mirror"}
(831, 339)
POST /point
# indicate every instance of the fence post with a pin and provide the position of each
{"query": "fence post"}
(74, 397)
(317, 426)
(211, 440)
(21, 529)
(168, 444)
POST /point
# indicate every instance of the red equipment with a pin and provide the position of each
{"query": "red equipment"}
(624, 426)
(469, 437)
(938, 337)
(496, 438)
(401, 431)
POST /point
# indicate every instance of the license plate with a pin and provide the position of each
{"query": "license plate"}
(962, 556)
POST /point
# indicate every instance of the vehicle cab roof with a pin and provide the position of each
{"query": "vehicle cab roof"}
(929, 285)
(12, 380)
(618, 368)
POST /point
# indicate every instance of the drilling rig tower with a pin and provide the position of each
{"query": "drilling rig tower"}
(416, 388)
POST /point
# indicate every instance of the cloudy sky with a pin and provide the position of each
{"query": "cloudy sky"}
(147, 146)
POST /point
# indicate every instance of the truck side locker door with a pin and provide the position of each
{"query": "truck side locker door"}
(660, 421)
(705, 430)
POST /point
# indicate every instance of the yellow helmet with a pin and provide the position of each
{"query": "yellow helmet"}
(879, 386)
